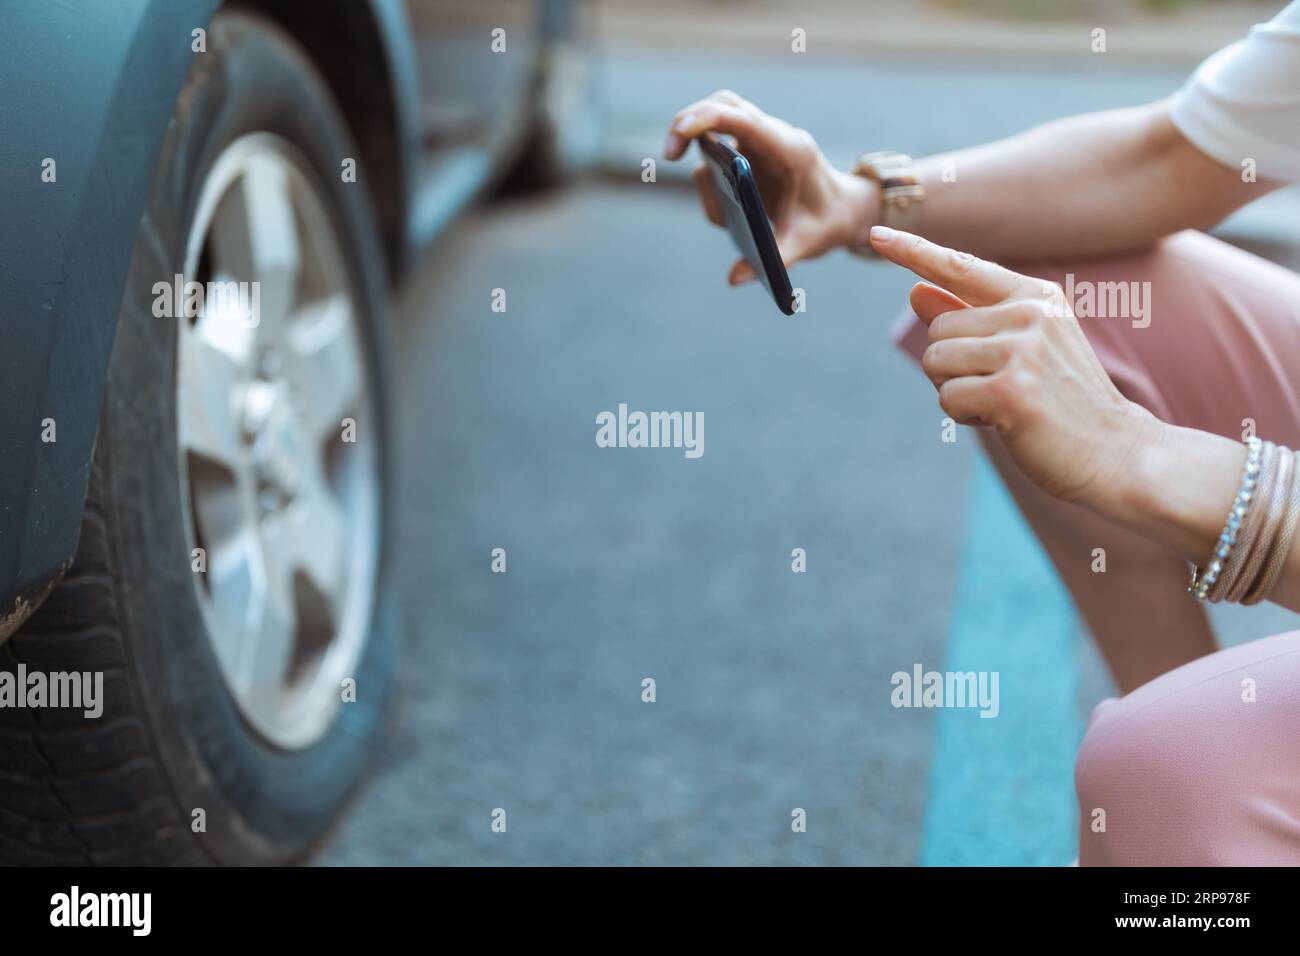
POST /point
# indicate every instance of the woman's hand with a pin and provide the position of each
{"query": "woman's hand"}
(814, 207)
(1007, 351)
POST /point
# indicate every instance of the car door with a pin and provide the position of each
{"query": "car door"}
(476, 64)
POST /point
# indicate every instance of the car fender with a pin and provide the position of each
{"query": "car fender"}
(89, 90)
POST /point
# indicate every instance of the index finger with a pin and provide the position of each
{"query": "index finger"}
(976, 281)
(750, 127)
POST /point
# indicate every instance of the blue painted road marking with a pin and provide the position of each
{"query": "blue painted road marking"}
(1002, 790)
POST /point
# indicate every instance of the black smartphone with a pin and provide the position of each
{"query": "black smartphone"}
(748, 223)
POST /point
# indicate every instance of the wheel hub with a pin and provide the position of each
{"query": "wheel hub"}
(277, 443)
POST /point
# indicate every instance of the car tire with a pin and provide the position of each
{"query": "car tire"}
(540, 164)
(562, 136)
(175, 770)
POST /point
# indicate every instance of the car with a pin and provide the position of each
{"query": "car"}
(207, 205)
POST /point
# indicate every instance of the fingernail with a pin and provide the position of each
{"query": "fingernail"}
(672, 144)
(684, 124)
(882, 234)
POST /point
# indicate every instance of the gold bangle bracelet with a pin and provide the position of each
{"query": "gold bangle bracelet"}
(1271, 519)
(1281, 547)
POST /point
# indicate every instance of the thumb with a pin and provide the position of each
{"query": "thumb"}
(740, 273)
(791, 253)
(929, 301)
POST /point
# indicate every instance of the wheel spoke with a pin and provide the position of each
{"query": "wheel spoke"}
(211, 381)
(255, 238)
(230, 580)
(267, 647)
(322, 363)
(311, 538)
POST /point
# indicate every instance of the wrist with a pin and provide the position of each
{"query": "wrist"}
(1134, 488)
(858, 201)
(1178, 488)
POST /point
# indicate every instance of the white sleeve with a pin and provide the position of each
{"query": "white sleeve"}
(1244, 101)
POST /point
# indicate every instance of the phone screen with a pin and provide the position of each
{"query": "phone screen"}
(742, 208)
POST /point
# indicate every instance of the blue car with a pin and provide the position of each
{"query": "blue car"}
(206, 205)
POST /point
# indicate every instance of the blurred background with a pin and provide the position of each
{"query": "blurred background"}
(523, 690)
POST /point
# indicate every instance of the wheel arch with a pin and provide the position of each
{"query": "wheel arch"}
(95, 94)
(363, 50)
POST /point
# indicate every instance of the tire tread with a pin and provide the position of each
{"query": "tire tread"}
(76, 791)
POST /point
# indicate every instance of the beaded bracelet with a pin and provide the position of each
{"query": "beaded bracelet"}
(1245, 550)
(1202, 581)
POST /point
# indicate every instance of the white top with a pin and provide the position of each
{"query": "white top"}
(1244, 101)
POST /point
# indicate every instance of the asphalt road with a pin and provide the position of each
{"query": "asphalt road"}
(523, 690)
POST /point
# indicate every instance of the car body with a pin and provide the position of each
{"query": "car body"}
(89, 89)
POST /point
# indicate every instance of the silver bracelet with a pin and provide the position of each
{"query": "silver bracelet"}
(1203, 581)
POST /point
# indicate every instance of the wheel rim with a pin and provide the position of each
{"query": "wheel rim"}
(283, 502)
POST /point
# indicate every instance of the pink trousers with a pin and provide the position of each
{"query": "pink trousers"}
(1201, 764)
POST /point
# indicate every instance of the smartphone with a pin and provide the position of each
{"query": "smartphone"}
(748, 223)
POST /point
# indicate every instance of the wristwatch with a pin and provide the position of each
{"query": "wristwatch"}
(900, 194)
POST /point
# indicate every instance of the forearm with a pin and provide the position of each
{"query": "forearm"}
(1087, 186)
(1177, 488)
